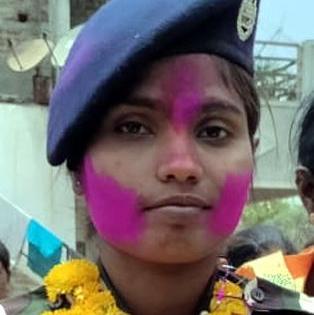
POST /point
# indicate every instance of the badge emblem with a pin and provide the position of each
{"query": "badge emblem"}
(247, 19)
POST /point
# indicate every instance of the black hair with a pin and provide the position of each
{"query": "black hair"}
(5, 258)
(305, 134)
(309, 243)
(243, 84)
(256, 242)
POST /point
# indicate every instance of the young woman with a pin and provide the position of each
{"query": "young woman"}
(155, 114)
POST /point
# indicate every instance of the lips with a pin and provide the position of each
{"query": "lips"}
(179, 201)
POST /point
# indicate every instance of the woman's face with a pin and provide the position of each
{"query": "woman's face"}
(168, 175)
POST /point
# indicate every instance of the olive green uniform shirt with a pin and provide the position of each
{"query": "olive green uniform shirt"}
(262, 297)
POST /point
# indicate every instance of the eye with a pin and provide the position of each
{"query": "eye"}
(213, 133)
(132, 127)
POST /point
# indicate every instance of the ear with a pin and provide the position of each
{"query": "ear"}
(305, 184)
(76, 183)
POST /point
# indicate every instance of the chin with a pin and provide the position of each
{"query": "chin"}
(174, 247)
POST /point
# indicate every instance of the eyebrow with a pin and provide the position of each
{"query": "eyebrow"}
(143, 101)
(208, 106)
(220, 106)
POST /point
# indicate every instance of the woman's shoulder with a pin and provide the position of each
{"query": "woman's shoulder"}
(280, 281)
(263, 296)
(237, 293)
(31, 303)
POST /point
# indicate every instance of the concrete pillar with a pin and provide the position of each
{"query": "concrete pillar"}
(307, 68)
(59, 18)
(59, 24)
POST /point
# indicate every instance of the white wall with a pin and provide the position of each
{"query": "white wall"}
(26, 179)
(275, 157)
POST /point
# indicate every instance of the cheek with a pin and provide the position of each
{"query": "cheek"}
(113, 209)
(225, 216)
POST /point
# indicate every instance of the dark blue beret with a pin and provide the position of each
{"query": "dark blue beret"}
(122, 38)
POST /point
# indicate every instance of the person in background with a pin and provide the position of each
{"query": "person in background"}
(309, 244)
(305, 172)
(294, 271)
(4, 271)
(256, 241)
(305, 152)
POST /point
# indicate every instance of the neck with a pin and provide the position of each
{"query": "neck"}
(151, 289)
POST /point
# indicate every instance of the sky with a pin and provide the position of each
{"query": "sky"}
(286, 20)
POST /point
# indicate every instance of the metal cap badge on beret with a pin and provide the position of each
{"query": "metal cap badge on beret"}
(122, 38)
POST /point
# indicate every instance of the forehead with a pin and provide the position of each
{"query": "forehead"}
(195, 79)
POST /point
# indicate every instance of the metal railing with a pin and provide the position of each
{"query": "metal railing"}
(277, 70)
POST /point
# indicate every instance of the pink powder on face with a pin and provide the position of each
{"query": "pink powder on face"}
(225, 216)
(114, 210)
(185, 109)
(182, 91)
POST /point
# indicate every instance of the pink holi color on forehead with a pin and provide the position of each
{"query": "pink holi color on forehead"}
(224, 218)
(113, 210)
(185, 109)
(183, 93)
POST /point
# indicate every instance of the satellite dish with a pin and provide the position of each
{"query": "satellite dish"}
(28, 55)
(64, 45)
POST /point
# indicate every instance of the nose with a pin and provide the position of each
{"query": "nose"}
(179, 162)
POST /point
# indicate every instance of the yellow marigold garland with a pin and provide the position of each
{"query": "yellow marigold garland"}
(79, 281)
(228, 299)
